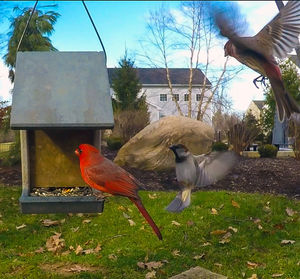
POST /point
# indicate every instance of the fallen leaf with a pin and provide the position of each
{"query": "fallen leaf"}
(121, 207)
(218, 232)
(21, 227)
(86, 221)
(54, 243)
(98, 248)
(206, 244)
(49, 222)
(225, 238)
(65, 253)
(233, 229)
(256, 221)
(214, 211)
(275, 275)
(126, 215)
(62, 221)
(218, 265)
(176, 253)
(152, 196)
(285, 242)
(252, 265)
(279, 226)
(176, 223)
(151, 274)
(78, 250)
(259, 227)
(131, 222)
(88, 251)
(112, 257)
(190, 223)
(40, 250)
(79, 214)
(153, 265)
(75, 229)
(254, 276)
(235, 204)
(290, 212)
(198, 257)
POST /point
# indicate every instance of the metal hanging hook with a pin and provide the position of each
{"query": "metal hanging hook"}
(95, 31)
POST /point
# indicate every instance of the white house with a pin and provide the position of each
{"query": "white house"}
(158, 96)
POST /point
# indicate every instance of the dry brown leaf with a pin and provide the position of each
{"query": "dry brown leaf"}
(88, 251)
(226, 238)
(54, 243)
(233, 229)
(98, 248)
(287, 241)
(214, 211)
(151, 274)
(141, 265)
(206, 244)
(252, 265)
(79, 214)
(65, 253)
(259, 227)
(112, 257)
(290, 212)
(253, 276)
(256, 221)
(152, 196)
(218, 232)
(86, 221)
(125, 215)
(40, 250)
(78, 250)
(275, 275)
(176, 253)
(75, 229)
(131, 222)
(176, 223)
(190, 223)
(198, 257)
(49, 222)
(235, 204)
(21, 227)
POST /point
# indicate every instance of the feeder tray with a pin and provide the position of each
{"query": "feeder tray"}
(60, 100)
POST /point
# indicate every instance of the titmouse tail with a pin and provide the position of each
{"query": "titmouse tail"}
(181, 201)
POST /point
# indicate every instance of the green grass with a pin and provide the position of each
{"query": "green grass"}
(132, 244)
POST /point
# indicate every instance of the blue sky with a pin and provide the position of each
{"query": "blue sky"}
(123, 23)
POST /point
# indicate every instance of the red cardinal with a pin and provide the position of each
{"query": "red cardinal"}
(277, 38)
(102, 174)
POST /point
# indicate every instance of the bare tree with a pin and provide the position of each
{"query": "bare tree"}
(190, 31)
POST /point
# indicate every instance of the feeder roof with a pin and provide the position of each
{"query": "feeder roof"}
(61, 90)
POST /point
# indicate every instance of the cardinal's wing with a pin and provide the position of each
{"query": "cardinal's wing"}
(215, 166)
(281, 35)
(114, 179)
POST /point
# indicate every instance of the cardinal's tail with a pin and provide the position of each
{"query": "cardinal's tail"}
(286, 104)
(181, 201)
(146, 215)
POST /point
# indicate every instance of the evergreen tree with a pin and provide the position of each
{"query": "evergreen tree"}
(126, 86)
(36, 37)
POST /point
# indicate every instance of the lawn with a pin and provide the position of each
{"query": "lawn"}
(234, 234)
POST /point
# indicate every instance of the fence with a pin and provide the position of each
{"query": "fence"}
(4, 147)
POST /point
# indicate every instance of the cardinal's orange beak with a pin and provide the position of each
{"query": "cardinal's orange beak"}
(77, 152)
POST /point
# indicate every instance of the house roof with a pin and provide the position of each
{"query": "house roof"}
(155, 76)
(259, 104)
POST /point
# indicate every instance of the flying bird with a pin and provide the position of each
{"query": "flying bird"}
(197, 171)
(276, 39)
(102, 174)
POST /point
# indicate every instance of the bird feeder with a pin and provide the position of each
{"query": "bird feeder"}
(60, 100)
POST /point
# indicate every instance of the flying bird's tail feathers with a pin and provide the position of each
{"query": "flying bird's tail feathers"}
(181, 201)
(146, 215)
(286, 104)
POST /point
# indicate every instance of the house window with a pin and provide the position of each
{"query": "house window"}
(198, 97)
(175, 97)
(186, 97)
(163, 97)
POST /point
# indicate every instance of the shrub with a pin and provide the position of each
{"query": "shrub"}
(114, 142)
(267, 151)
(219, 146)
(129, 122)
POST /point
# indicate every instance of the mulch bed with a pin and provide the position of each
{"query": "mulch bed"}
(263, 175)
